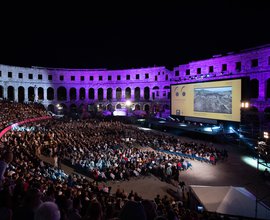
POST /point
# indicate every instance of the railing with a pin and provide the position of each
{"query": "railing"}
(4, 131)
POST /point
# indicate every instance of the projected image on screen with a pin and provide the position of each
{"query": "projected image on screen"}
(214, 100)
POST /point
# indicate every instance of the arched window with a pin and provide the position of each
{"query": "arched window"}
(118, 106)
(91, 93)
(40, 93)
(146, 93)
(73, 108)
(156, 91)
(109, 94)
(31, 94)
(118, 93)
(109, 107)
(137, 93)
(82, 93)
(72, 94)
(254, 88)
(50, 93)
(61, 93)
(11, 93)
(51, 108)
(62, 108)
(21, 96)
(128, 93)
(100, 94)
(146, 108)
(137, 107)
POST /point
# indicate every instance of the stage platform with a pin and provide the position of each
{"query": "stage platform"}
(189, 127)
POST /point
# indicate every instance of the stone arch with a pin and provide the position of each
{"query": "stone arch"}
(61, 94)
(61, 108)
(254, 88)
(73, 108)
(51, 108)
(137, 93)
(147, 93)
(91, 94)
(50, 93)
(40, 93)
(127, 93)
(72, 93)
(156, 108)
(268, 88)
(166, 87)
(10, 95)
(31, 94)
(156, 91)
(109, 94)
(146, 107)
(21, 95)
(82, 93)
(100, 94)
(118, 93)
(118, 106)
(1, 92)
(81, 108)
(137, 107)
(109, 107)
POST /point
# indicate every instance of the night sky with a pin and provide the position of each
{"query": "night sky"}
(127, 35)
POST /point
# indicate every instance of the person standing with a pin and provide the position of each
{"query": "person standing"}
(6, 159)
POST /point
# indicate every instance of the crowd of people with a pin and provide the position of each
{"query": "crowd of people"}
(30, 187)
(12, 112)
(104, 150)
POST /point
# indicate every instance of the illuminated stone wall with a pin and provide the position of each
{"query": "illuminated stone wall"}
(147, 88)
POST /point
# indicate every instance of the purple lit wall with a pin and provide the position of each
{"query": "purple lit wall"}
(147, 88)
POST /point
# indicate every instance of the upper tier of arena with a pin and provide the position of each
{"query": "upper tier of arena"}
(147, 88)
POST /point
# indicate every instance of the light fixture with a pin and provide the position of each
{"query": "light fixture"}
(128, 103)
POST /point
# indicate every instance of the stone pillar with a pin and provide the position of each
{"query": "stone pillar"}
(26, 94)
(123, 95)
(77, 94)
(35, 93)
(86, 94)
(262, 89)
(96, 94)
(16, 94)
(45, 94)
(141, 93)
(112, 93)
(68, 94)
(4, 91)
(105, 94)
(132, 94)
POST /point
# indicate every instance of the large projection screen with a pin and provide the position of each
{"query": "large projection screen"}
(218, 100)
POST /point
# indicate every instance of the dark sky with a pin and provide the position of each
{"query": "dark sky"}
(126, 35)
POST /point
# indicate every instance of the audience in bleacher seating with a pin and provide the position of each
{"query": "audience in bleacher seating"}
(105, 150)
(12, 112)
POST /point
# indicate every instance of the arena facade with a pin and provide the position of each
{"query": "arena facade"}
(148, 89)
